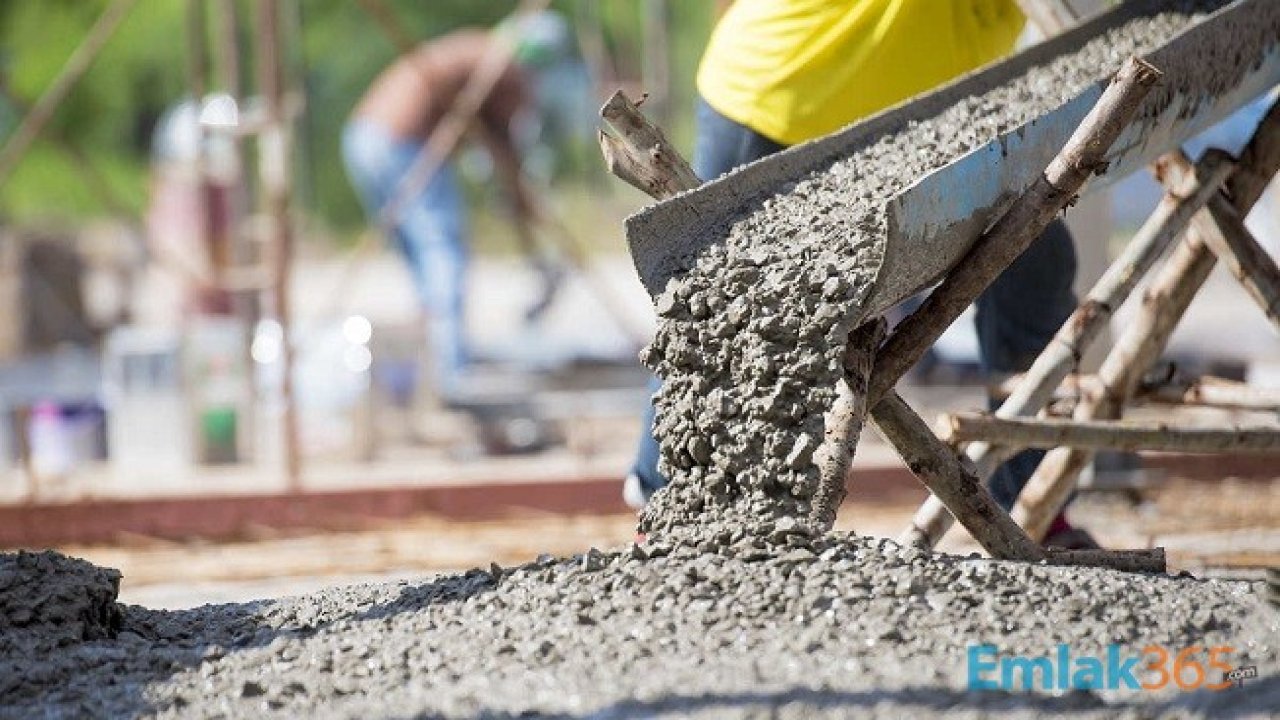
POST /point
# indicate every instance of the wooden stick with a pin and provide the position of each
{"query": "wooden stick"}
(1083, 155)
(1146, 561)
(1223, 230)
(92, 176)
(1207, 391)
(1212, 392)
(844, 423)
(1078, 333)
(1101, 434)
(277, 189)
(77, 65)
(641, 154)
(1184, 196)
(937, 466)
(1163, 305)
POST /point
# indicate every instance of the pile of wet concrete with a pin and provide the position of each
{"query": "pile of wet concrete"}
(781, 624)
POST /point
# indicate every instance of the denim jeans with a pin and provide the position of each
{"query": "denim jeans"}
(1016, 317)
(430, 236)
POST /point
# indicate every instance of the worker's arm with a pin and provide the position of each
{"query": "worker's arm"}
(496, 117)
(506, 165)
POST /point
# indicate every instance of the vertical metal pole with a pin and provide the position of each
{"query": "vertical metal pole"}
(274, 168)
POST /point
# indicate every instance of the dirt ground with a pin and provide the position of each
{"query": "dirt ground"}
(1231, 527)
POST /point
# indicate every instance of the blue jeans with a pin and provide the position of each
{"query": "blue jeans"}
(430, 236)
(1016, 317)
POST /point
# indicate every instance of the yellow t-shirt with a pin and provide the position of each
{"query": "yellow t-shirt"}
(793, 70)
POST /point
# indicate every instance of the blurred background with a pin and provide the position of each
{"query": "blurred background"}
(212, 372)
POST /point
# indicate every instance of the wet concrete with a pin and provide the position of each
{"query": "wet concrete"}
(48, 600)
(780, 625)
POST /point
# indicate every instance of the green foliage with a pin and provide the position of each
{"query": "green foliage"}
(138, 72)
(339, 49)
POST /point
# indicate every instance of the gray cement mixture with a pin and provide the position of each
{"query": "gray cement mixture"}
(747, 614)
(750, 338)
(47, 601)
(781, 625)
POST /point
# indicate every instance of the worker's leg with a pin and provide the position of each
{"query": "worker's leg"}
(430, 236)
(1016, 318)
(721, 145)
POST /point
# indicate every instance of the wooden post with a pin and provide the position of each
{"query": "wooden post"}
(1145, 561)
(1163, 305)
(275, 167)
(1223, 230)
(1093, 316)
(1212, 392)
(844, 423)
(1106, 434)
(1184, 197)
(936, 465)
(1083, 155)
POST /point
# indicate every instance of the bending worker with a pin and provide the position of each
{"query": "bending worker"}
(389, 127)
(780, 72)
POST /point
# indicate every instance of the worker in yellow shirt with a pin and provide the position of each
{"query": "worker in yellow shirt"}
(780, 72)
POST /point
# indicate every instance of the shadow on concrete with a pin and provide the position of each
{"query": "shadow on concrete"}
(1257, 699)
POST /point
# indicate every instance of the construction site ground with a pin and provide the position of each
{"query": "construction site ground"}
(1219, 528)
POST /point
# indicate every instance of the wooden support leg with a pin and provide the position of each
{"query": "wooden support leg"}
(947, 477)
(1213, 392)
(1224, 232)
(1184, 197)
(1163, 305)
(844, 424)
(1083, 155)
(1108, 434)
